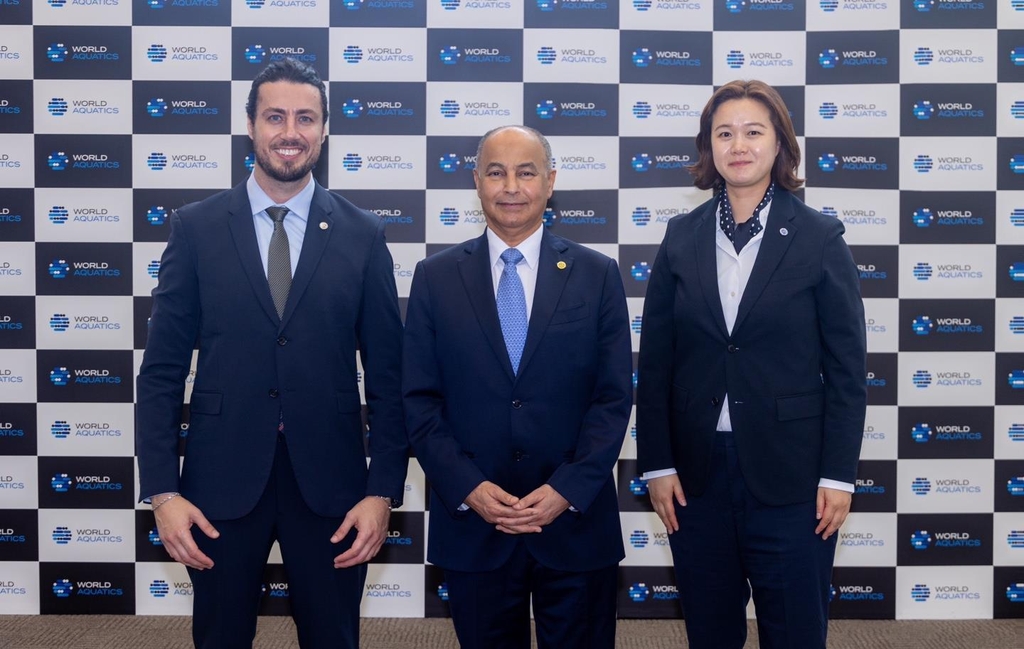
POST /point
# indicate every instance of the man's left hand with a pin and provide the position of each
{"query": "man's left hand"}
(831, 509)
(534, 510)
(370, 517)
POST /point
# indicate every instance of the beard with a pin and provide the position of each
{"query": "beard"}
(287, 172)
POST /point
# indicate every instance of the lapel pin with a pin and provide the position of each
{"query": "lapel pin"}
(323, 225)
(783, 231)
(561, 265)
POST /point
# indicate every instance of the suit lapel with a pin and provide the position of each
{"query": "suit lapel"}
(475, 271)
(707, 266)
(551, 280)
(313, 244)
(773, 248)
(244, 235)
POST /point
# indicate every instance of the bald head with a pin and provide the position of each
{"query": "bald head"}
(523, 129)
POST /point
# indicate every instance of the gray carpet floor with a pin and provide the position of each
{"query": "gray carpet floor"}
(149, 632)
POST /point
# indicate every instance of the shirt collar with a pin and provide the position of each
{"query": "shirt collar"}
(724, 242)
(530, 247)
(297, 205)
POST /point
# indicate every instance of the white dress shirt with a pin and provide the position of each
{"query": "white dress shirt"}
(734, 271)
(527, 268)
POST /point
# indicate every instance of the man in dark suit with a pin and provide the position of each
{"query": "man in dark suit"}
(517, 392)
(752, 395)
(277, 282)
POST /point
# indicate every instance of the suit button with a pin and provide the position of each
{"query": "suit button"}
(282, 341)
(517, 455)
(733, 349)
(715, 401)
(517, 404)
(272, 393)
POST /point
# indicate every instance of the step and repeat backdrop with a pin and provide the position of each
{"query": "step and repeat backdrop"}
(911, 118)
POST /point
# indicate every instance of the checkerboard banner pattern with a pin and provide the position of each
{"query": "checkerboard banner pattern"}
(910, 114)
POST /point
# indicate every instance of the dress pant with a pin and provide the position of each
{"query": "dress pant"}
(572, 610)
(324, 600)
(729, 545)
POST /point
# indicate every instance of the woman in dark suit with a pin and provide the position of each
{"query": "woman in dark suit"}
(751, 396)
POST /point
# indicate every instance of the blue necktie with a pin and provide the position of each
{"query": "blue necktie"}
(512, 307)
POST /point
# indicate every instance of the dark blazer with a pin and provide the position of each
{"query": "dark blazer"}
(255, 369)
(794, 366)
(561, 421)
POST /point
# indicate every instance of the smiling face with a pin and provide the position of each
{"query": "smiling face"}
(287, 132)
(514, 183)
(744, 144)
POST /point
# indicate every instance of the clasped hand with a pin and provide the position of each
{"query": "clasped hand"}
(513, 515)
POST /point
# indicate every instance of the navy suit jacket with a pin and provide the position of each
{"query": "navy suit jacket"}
(561, 421)
(255, 369)
(794, 366)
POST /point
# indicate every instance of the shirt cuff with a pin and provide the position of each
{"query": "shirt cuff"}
(835, 484)
(660, 473)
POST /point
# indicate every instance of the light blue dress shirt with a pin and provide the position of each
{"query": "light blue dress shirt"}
(294, 222)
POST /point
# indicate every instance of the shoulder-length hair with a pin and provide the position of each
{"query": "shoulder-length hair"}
(786, 162)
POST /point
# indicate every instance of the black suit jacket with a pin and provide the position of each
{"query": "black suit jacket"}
(794, 366)
(253, 367)
(560, 421)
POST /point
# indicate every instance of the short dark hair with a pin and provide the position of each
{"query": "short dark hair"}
(525, 129)
(706, 176)
(287, 69)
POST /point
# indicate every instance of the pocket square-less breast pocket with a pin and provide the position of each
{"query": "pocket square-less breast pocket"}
(792, 273)
(571, 314)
